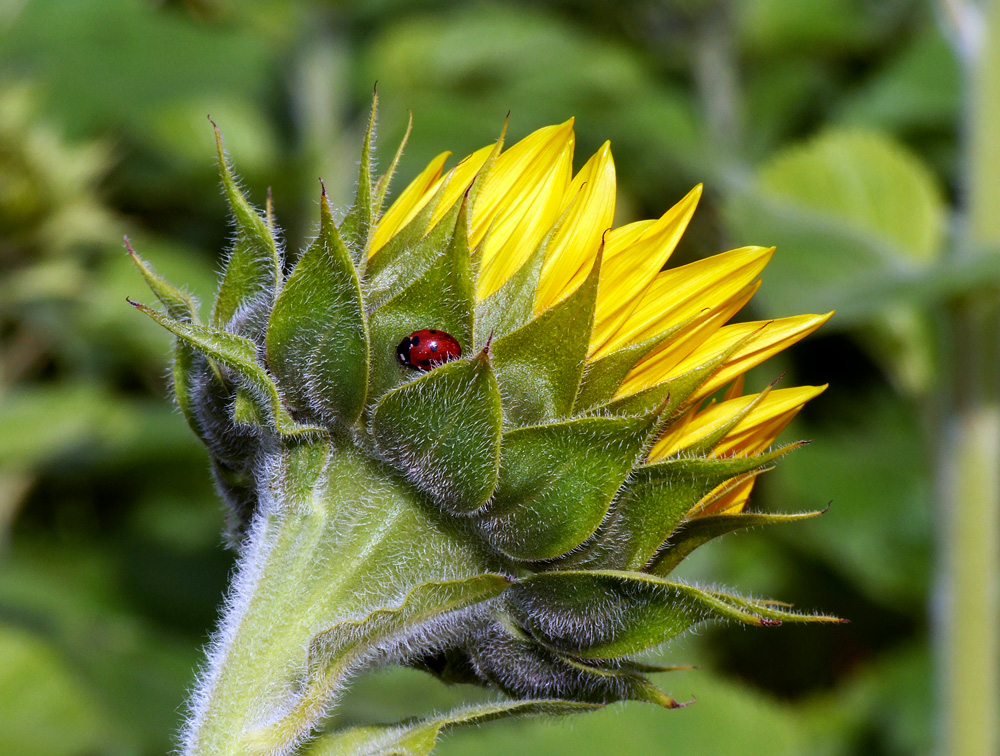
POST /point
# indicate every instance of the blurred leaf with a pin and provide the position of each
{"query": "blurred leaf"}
(43, 423)
(917, 89)
(815, 26)
(855, 218)
(462, 72)
(122, 62)
(864, 179)
(45, 709)
(877, 532)
(753, 725)
(886, 701)
(129, 674)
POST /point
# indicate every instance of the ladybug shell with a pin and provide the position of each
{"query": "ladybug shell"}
(427, 348)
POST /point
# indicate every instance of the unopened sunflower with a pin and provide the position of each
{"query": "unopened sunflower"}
(473, 433)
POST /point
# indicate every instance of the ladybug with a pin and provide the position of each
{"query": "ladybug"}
(427, 348)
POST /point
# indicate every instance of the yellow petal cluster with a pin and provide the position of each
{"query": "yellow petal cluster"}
(529, 196)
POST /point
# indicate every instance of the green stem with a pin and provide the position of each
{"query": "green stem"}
(968, 611)
(341, 548)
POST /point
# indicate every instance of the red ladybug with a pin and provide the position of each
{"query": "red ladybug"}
(427, 348)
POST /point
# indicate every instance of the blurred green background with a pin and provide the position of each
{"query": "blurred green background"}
(826, 127)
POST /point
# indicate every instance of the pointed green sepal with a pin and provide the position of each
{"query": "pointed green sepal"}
(557, 482)
(179, 305)
(357, 225)
(609, 614)
(382, 186)
(442, 431)
(240, 355)
(654, 501)
(772, 612)
(603, 376)
(442, 298)
(419, 738)
(700, 530)
(317, 340)
(253, 269)
(183, 308)
(512, 305)
(408, 254)
(540, 364)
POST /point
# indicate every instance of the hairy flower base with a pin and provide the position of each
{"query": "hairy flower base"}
(509, 518)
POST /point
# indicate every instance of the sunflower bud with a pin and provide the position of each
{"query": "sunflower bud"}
(501, 505)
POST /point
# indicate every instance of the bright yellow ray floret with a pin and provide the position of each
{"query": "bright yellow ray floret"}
(528, 196)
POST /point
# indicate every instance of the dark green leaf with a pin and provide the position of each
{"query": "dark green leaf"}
(654, 501)
(608, 614)
(443, 432)
(557, 482)
(179, 304)
(240, 355)
(700, 530)
(317, 342)
(441, 297)
(253, 269)
(540, 364)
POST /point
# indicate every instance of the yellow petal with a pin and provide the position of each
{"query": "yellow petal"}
(410, 202)
(729, 498)
(589, 210)
(757, 341)
(753, 432)
(662, 363)
(519, 202)
(458, 180)
(678, 294)
(631, 264)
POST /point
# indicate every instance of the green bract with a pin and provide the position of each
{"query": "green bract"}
(493, 520)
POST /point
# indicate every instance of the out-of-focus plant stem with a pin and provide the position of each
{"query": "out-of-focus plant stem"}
(968, 608)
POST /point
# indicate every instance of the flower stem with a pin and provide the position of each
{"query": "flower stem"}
(968, 607)
(327, 580)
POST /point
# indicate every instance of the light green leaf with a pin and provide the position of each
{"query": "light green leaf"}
(700, 530)
(335, 651)
(408, 254)
(868, 181)
(317, 340)
(512, 305)
(654, 501)
(608, 614)
(178, 303)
